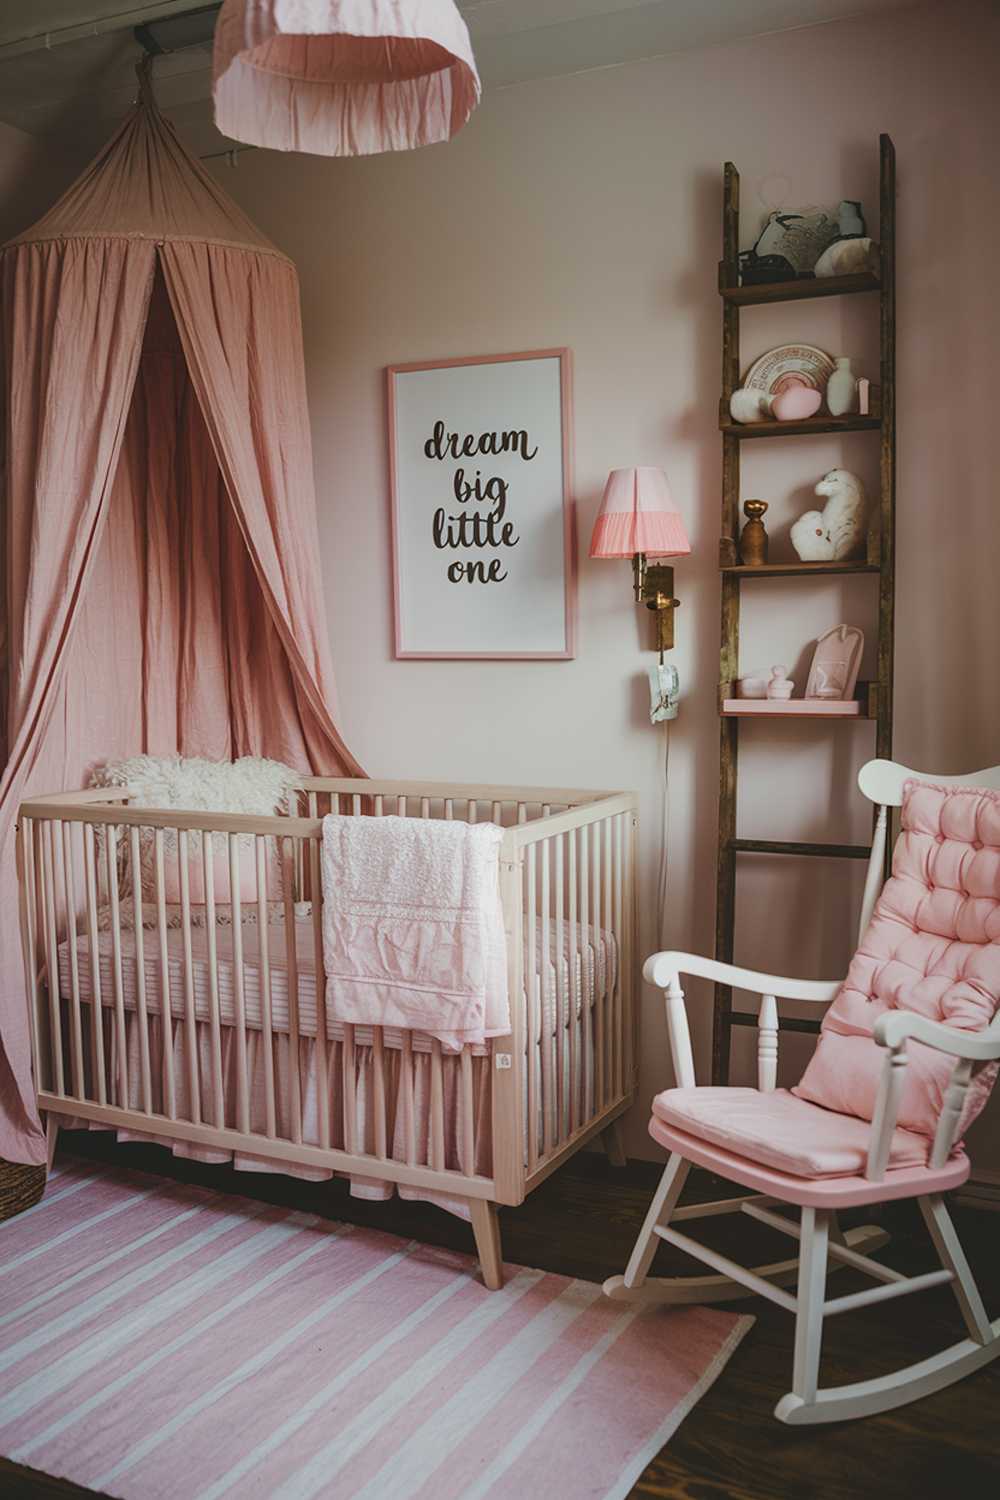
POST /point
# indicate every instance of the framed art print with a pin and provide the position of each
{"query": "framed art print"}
(483, 531)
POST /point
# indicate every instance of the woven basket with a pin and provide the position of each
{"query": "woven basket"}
(20, 1188)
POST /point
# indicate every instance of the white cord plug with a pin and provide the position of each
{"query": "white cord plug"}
(664, 692)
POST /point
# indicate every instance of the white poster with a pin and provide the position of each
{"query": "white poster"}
(482, 513)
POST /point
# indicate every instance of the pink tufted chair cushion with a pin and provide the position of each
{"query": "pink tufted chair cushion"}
(933, 947)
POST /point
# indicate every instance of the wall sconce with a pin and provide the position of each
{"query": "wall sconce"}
(638, 519)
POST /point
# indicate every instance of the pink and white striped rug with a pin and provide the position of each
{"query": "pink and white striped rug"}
(164, 1342)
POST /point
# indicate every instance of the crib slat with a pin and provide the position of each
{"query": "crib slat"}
(578, 1009)
(349, 1088)
(449, 810)
(437, 1107)
(378, 1090)
(629, 951)
(75, 1019)
(297, 872)
(215, 1016)
(264, 980)
(606, 925)
(93, 947)
(291, 860)
(599, 1027)
(522, 812)
(468, 1113)
(546, 1039)
(139, 938)
(496, 813)
(166, 1008)
(322, 1035)
(111, 849)
(239, 989)
(471, 810)
(378, 805)
(590, 998)
(190, 1015)
(52, 947)
(312, 804)
(561, 1039)
(533, 1042)
(409, 1117)
(214, 1019)
(29, 940)
(401, 807)
(425, 807)
(616, 928)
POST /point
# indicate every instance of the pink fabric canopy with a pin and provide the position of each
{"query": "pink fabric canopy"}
(158, 491)
(342, 77)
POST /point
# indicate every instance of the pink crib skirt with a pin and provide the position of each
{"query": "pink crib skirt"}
(588, 964)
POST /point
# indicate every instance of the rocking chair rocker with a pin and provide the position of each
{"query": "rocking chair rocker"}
(862, 1126)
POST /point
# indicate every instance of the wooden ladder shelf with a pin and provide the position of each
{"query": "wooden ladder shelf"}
(876, 696)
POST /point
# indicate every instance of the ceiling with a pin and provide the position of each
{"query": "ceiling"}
(66, 66)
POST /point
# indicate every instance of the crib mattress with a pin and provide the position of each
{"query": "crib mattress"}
(574, 980)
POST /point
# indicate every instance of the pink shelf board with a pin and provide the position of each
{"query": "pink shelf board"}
(808, 708)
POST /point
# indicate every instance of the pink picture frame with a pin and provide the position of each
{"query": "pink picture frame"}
(411, 486)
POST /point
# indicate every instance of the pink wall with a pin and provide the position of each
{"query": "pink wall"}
(586, 211)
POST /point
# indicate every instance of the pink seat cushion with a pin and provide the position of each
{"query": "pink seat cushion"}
(933, 947)
(778, 1130)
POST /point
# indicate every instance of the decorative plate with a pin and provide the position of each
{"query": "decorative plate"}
(789, 364)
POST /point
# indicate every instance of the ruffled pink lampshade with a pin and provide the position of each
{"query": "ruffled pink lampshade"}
(342, 77)
(638, 515)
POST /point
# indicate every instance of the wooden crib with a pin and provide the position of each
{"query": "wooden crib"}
(205, 1021)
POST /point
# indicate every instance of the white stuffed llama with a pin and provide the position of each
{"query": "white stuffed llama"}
(838, 530)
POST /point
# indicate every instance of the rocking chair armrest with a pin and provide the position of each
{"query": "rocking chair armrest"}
(661, 968)
(899, 1026)
(892, 1032)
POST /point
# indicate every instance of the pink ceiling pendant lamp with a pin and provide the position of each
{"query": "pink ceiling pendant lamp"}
(342, 77)
(638, 519)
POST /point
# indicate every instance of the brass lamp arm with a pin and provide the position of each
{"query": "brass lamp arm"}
(654, 587)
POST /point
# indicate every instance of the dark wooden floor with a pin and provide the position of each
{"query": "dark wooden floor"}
(582, 1222)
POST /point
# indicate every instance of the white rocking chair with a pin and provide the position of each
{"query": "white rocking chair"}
(775, 1139)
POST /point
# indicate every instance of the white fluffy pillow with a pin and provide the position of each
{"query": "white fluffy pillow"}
(250, 785)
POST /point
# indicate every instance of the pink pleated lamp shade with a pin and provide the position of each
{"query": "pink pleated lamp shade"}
(638, 514)
(342, 77)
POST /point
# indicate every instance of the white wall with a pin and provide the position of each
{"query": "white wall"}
(586, 211)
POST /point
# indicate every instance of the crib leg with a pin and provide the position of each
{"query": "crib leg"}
(613, 1141)
(486, 1228)
(51, 1136)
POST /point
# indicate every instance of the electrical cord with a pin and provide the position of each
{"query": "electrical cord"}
(661, 883)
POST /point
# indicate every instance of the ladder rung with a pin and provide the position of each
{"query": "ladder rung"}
(786, 1023)
(823, 851)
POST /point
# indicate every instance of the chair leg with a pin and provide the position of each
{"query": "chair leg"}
(664, 1202)
(613, 1141)
(51, 1137)
(486, 1228)
(952, 1256)
(809, 1305)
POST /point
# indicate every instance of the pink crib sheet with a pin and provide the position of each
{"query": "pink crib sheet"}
(586, 973)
